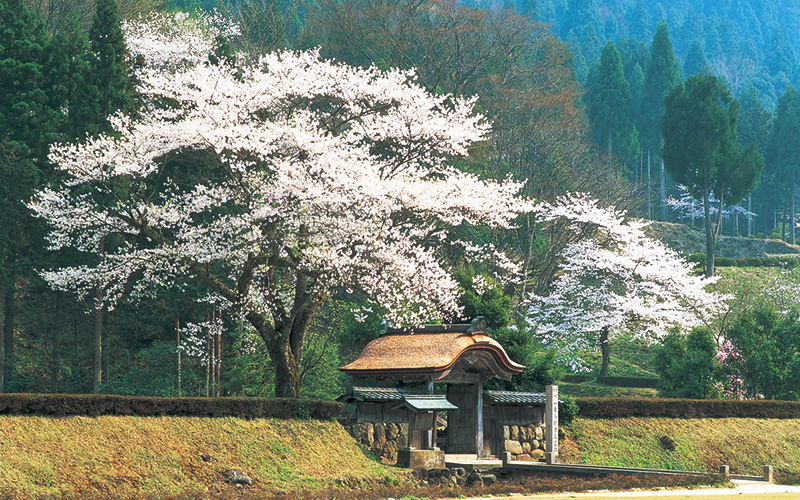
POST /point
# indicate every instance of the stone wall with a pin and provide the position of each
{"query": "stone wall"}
(383, 439)
(525, 442)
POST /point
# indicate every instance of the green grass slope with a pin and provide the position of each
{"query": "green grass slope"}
(126, 457)
(746, 445)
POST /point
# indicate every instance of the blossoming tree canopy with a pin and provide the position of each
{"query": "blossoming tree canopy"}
(275, 183)
(614, 280)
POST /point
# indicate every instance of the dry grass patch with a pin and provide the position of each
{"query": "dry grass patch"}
(114, 457)
(744, 444)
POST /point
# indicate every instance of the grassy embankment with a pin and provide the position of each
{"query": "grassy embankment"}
(123, 457)
(746, 445)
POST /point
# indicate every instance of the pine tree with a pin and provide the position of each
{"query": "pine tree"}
(23, 111)
(25, 122)
(663, 73)
(702, 151)
(754, 127)
(696, 61)
(783, 149)
(66, 71)
(610, 109)
(107, 87)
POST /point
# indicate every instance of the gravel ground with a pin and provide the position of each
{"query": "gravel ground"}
(758, 490)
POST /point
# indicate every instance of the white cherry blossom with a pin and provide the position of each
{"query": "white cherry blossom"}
(275, 183)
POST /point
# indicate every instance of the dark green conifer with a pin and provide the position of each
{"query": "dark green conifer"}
(696, 61)
(610, 108)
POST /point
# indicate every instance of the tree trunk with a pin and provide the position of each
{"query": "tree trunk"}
(662, 189)
(97, 365)
(287, 374)
(8, 334)
(58, 332)
(528, 255)
(178, 335)
(791, 217)
(709, 235)
(605, 349)
(649, 189)
(747, 231)
(2, 340)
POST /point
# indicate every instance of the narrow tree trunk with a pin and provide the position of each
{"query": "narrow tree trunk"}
(97, 366)
(210, 358)
(58, 332)
(178, 335)
(8, 333)
(528, 255)
(662, 190)
(783, 221)
(709, 235)
(218, 366)
(609, 147)
(649, 189)
(2, 340)
(791, 217)
(605, 349)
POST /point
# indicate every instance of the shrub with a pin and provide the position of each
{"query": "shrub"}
(568, 408)
(687, 364)
(641, 382)
(59, 405)
(593, 407)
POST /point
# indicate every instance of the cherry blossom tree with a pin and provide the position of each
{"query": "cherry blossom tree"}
(614, 278)
(275, 183)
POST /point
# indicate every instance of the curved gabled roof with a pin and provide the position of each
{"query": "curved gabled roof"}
(432, 350)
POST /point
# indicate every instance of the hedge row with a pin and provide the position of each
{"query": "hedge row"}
(770, 261)
(642, 382)
(593, 407)
(59, 405)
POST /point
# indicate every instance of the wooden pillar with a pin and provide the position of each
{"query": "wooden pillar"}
(431, 434)
(479, 413)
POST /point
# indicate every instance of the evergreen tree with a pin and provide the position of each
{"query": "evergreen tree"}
(783, 149)
(696, 61)
(23, 103)
(67, 71)
(579, 62)
(107, 87)
(663, 73)
(25, 123)
(579, 14)
(702, 151)
(753, 127)
(638, 21)
(781, 57)
(610, 109)
(590, 44)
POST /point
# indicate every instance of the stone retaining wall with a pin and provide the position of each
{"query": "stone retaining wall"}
(525, 442)
(383, 439)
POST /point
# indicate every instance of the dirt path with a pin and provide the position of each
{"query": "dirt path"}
(753, 490)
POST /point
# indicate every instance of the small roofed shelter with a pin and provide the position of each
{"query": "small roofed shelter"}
(462, 356)
(400, 405)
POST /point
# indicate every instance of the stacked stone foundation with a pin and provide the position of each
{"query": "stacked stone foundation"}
(383, 439)
(525, 442)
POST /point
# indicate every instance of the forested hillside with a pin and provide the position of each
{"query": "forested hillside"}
(182, 216)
